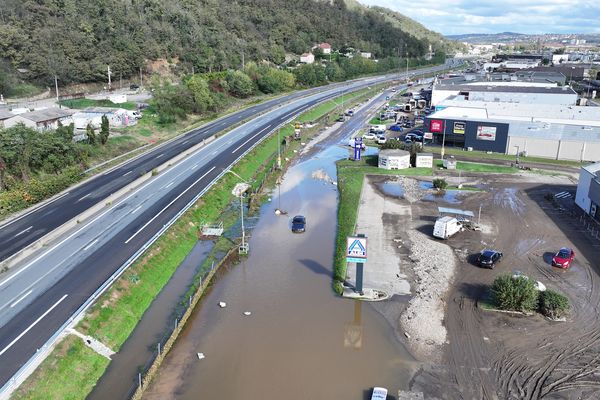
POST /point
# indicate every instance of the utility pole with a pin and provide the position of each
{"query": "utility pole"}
(109, 74)
(56, 86)
(407, 66)
(141, 78)
(278, 149)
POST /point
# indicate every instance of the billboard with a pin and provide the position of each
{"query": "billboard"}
(459, 128)
(436, 125)
(486, 133)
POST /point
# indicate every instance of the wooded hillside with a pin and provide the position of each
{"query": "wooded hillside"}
(77, 39)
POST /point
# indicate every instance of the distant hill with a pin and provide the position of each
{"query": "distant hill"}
(486, 37)
(412, 27)
(76, 39)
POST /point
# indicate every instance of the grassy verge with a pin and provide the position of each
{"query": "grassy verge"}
(85, 103)
(115, 315)
(478, 167)
(482, 155)
(350, 176)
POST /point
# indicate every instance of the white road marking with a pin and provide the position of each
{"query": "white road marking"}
(169, 205)
(169, 185)
(22, 297)
(243, 144)
(23, 231)
(86, 248)
(160, 155)
(215, 152)
(184, 142)
(15, 340)
(137, 208)
(83, 197)
(194, 167)
(127, 173)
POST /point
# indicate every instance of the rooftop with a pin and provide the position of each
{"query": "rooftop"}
(394, 152)
(508, 88)
(5, 115)
(593, 168)
(48, 114)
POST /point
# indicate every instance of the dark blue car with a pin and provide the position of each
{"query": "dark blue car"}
(298, 224)
(396, 128)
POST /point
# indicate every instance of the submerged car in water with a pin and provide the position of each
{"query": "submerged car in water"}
(298, 224)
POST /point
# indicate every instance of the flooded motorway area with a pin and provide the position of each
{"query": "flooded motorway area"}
(301, 341)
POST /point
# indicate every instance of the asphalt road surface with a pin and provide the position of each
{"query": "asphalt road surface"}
(44, 291)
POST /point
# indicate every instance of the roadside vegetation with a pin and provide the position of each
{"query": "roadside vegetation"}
(519, 293)
(115, 315)
(36, 166)
(85, 103)
(350, 176)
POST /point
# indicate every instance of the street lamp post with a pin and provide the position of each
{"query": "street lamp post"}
(517, 156)
(443, 141)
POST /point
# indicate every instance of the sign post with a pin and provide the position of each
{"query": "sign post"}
(356, 252)
(357, 148)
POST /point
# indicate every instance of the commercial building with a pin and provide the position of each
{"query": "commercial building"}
(394, 159)
(552, 131)
(588, 190)
(508, 92)
(41, 120)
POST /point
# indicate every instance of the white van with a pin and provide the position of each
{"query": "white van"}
(379, 393)
(446, 227)
(378, 128)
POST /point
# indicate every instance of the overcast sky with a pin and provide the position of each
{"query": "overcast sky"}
(452, 17)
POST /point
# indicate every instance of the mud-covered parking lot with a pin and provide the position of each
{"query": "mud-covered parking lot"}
(492, 355)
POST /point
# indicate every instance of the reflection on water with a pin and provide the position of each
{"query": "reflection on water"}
(301, 341)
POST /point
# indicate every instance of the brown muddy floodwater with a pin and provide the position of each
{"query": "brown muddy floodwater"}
(301, 341)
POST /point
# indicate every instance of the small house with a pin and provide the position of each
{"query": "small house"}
(325, 47)
(394, 159)
(4, 115)
(365, 54)
(41, 120)
(307, 58)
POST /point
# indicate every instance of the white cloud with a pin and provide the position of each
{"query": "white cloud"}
(491, 16)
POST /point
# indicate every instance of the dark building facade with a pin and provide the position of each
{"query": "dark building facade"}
(483, 136)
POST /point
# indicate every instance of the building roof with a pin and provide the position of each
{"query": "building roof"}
(5, 115)
(562, 132)
(593, 169)
(554, 113)
(394, 152)
(306, 54)
(102, 110)
(507, 89)
(48, 114)
(325, 45)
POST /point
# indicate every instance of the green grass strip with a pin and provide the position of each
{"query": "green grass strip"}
(478, 167)
(85, 103)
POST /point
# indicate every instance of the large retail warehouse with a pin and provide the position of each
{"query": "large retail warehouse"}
(562, 132)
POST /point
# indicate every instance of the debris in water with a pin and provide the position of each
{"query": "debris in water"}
(222, 304)
(269, 199)
(247, 313)
(407, 335)
(277, 212)
(200, 356)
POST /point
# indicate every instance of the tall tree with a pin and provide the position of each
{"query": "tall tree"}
(104, 130)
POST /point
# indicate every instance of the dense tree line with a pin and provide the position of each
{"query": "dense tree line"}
(76, 39)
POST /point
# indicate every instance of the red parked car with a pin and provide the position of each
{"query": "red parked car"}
(563, 258)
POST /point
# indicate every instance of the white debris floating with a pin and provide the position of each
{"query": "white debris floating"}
(247, 313)
(222, 304)
(200, 356)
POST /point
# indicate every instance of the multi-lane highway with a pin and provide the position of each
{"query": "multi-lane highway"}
(45, 290)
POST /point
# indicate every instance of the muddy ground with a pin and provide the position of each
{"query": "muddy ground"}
(490, 355)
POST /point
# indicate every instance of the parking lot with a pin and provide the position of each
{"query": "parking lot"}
(489, 354)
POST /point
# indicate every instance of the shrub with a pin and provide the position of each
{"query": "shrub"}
(440, 184)
(553, 304)
(514, 294)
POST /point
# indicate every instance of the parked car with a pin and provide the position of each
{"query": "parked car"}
(563, 258)
(381, 139)
(488, 258)
(133, 86)
(379, 393)
(370, 135)
(350, 113)
(298, 224)
(387, 97)
(396, 128)
(351, 144)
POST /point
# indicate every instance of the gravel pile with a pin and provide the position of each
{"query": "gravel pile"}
(412, 190)
(434, 265)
